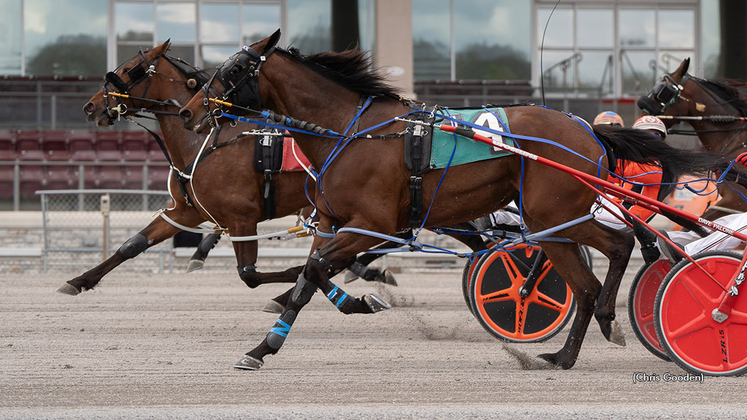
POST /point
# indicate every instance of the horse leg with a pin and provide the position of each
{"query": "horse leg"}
(617, 247)
(246, 257)
(198, 258)
(360, 268)
(157, 231)
(569, 263)
(321, 265)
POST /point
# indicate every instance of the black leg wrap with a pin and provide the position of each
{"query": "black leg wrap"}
(208, 243)
(278, 333)
(303, 291)
(247, 275)
(133, 246)
(326, 265)
(338, 297)
(358, 269)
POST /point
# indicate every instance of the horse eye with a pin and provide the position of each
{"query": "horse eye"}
(235, 70)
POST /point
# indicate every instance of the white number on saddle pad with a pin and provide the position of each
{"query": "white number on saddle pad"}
(488, 119)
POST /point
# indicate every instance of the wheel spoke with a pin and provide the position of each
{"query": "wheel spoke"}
(520, 320)
(646, 320)
(542, 299)
(704, 300)
(501, 295)
(737, 317)
(701, 322)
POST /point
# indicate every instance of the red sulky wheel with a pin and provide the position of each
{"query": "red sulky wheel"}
(641, 300)
(496, 303)
(683, 320)
(469, 268)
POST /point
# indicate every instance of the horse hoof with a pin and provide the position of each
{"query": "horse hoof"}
(552, 360)
(194, 265)
(248, 363)
(527, 362)
(68, 289)
(350, 277)
(389, 278)
(273, 307)
(617, 336)
(376, 303)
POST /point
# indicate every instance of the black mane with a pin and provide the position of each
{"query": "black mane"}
(730, 91)
(351, 69)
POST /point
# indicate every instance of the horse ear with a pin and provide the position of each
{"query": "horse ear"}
(684, 66)
(273, 40)
(161, 49)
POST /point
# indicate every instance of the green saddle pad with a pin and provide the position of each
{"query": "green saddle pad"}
(468, 150)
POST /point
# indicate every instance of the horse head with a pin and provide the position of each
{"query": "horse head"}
(236, 82)
(143, 83)
(666, 92)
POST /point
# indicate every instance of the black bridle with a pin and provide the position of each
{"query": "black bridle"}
(665, 94)
(239, 77)
(136, 74)
(117, 88)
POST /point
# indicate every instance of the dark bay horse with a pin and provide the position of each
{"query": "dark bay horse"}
(705, 105)
(367, 184)
(225, 187)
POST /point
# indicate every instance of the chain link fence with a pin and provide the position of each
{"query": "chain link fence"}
(81, 228)
(84, 227)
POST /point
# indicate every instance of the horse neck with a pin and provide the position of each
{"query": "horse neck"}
(182, 144)
(299, 92)
(717, 140)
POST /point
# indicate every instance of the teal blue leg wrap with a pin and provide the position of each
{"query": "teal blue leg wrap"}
(278, 333)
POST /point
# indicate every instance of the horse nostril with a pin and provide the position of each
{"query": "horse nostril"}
(90, 108)
(185, 114)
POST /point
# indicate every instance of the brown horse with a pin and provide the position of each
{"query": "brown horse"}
(368, 186)
(716, 111)
(225, 187)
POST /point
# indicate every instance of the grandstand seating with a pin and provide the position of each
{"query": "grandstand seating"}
(80, 140)
(7, 140)
(7, 173)
(28, 140)
(107, 140)
(51, 160)
(60, 177)
(54, 140)
(135, 140)
(32, 174)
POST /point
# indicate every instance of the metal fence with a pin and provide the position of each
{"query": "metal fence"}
(84, 227)
(82, 173)
(45, 103)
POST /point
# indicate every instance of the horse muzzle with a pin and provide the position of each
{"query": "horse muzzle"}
(650, 105)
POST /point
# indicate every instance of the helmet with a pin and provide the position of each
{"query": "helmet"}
(609, 118)
(649, 122)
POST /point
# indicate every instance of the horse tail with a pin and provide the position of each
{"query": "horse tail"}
(639, 146)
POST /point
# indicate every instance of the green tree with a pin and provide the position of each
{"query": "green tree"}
(70, 55)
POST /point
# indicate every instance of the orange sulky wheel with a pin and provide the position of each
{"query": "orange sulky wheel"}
(496, 302)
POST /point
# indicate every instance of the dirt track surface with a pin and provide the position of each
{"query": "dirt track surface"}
(163, 346)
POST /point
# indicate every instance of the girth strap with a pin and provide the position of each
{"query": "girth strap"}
(268, 156)
(417, 158)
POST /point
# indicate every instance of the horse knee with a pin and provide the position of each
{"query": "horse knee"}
(133, 246)
(248, 275)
